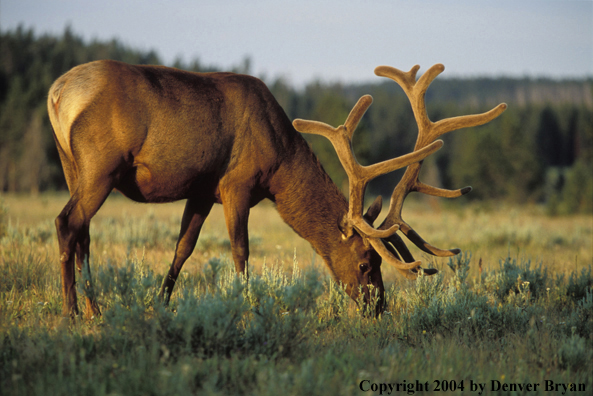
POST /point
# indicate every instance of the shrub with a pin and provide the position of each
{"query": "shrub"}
(517, 279)
(574, 353)
(205, 324)
(579, 284)
(130, 286)
(460, 266)
(580, 321)
(281, 310)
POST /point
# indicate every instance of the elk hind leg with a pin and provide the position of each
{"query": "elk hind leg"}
(84, 271)
(72, 226)
(67, 226)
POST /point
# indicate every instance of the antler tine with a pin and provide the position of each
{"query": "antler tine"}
(386, 255)
(358, 175)
(427, 133)
(313, 127)
(415, 90)
(455, 123)
(363, 174)
(417, 240)
(357, 113)
(406, 80)
(441, 192)
(323, 129)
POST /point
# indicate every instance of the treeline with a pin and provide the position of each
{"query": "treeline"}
(539, 150)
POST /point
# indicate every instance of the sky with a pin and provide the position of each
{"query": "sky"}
(335, 40)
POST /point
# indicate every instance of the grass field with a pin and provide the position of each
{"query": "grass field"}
(516, 316)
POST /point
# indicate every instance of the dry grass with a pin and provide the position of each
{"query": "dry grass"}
(491, 232)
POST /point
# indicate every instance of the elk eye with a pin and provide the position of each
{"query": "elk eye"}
(363, 267)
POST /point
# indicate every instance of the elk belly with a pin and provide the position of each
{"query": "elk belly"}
(141, 185)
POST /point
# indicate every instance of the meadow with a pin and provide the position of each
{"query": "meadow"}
(513, 314)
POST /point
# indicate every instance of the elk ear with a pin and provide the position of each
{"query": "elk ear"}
(373, 211)
(345, 227)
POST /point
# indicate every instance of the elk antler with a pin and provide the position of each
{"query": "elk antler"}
(428, 131)
(359, 176)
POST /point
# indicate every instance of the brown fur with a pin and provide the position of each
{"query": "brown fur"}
(159, 134)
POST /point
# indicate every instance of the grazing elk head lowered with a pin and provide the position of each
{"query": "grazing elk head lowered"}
(384, 239)
(159, 134)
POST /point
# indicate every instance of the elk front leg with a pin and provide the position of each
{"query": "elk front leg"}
(236, 214)
(194, 215)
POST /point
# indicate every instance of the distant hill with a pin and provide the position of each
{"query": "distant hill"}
(523, 92)
(488, 92)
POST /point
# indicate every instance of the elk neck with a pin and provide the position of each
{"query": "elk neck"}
(309, 201)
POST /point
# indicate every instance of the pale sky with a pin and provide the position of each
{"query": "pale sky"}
(335, 40)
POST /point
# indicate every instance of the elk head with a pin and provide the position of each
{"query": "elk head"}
(384, 239)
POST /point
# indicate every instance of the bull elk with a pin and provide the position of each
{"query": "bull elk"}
(159, 134)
